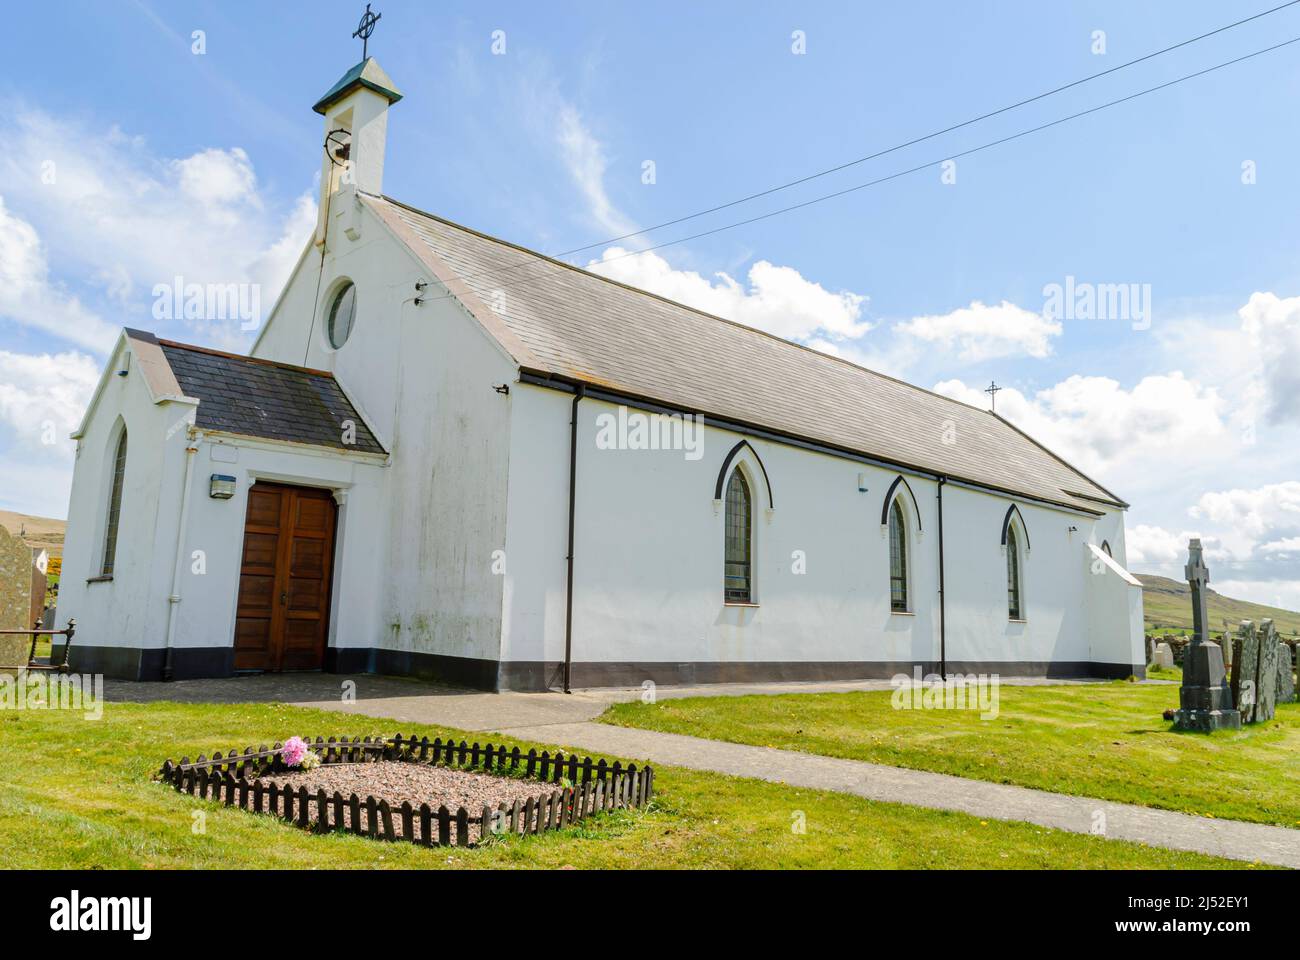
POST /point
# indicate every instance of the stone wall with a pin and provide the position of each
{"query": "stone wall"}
(1178, 644)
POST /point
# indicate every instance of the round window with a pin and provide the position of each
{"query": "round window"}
(343, 312)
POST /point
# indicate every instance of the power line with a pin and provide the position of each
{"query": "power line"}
(900, 146)
(928, 136)
(898, 174)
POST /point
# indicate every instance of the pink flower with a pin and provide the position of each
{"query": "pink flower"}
(294, 749)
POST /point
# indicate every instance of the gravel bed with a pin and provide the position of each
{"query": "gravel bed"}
(397, 782)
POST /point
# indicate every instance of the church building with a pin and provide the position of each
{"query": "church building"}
(450, 456)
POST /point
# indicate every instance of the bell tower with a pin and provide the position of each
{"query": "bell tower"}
(356, 128)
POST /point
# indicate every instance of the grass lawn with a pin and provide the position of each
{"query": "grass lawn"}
(1094, 740)
(1156, 672)
(77, 793)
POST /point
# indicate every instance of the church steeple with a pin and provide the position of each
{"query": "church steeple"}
(356, 127)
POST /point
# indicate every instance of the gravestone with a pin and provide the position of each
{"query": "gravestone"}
(1266, 686)
(1285, 681)
(1245, 670)
(1162, 656)
(1254, 676)
(1205, 700)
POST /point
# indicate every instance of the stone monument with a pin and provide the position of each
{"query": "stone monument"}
(1255, 673)
(1266, 700)
(1205, 701)
(1245, 670)
(1163, 656)
(1285, 680)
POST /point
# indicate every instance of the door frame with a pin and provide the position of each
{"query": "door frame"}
(338, 494)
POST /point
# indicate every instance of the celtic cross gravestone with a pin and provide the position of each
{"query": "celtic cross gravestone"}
(1205, 701)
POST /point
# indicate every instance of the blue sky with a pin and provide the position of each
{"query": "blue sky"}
(169, 162)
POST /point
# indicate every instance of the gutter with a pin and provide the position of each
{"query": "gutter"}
(175, 597)
(943, 619)
(579, 392)
(570, 385)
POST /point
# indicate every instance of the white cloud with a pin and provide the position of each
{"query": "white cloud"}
(1152, 545)
(778, 300)
(218, 178)
(1093, 422)
(1254, 534)
(1288, 546)
(42, 396)
(123, 218)
(29, 296)
(1272, 325)
(91, 220)
(985, 332)
(1273, 593)
(1256, 512)
(584, 157)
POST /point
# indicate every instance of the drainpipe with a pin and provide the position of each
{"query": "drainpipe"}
(943, 620)
(578, 394)
(190, 449)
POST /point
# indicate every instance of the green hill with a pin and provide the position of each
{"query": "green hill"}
(1168, 608)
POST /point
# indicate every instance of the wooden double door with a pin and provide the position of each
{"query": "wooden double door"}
(282, 618)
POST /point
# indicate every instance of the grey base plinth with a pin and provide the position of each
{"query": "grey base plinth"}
(1205, 699)
(1207, 721)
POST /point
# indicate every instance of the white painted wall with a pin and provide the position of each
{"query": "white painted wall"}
(473, 471)
(423, 378)
(649, 556)
(130, 609)
(415, 537)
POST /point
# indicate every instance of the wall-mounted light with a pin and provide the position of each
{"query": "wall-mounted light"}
(221, 487)
(862, 483)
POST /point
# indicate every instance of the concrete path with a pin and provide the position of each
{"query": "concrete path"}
(567, 721)
(995, 801)
(419, 701)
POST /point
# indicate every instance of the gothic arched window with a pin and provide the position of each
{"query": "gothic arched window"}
(898, 600)
(114, 505)
(1014, 606)
(737, 573)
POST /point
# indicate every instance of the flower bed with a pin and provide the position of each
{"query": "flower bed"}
(493, 790)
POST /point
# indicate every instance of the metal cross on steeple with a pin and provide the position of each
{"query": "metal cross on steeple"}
(993, 390)
(365, 28)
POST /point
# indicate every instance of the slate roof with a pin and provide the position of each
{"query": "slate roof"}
(558, 320)
(261, 398)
